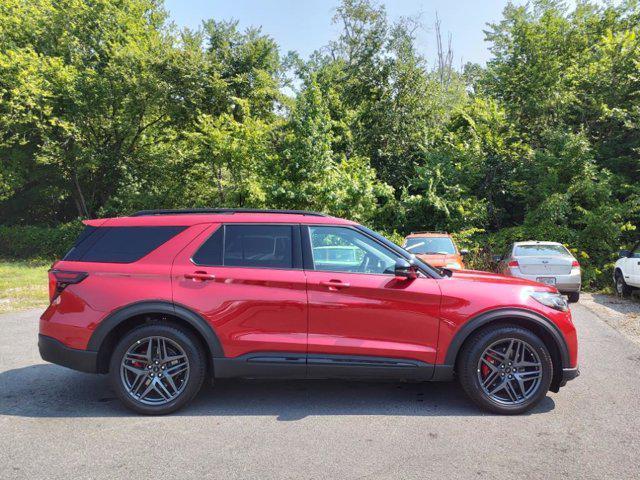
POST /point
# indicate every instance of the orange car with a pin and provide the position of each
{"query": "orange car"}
(436, 248)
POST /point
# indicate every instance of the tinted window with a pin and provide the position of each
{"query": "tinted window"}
(535, 250)
(119, 244)
(260, 246)
(210, 253)
(430, 245)
(339, 249)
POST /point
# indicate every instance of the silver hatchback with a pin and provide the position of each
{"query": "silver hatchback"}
(545, 262)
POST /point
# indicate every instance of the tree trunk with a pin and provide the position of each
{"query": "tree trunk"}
(80, 201)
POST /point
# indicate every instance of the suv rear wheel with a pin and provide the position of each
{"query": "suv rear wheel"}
(157, 369)
(505, 369)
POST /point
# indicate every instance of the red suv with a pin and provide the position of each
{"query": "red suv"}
(162, 299)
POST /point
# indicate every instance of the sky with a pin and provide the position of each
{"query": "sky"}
(305, 25)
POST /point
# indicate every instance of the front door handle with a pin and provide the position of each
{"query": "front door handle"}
(334, 284)
(200, 276)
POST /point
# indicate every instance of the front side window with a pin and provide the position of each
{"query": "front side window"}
(339, 249)
(636, 252)
(258, 246)
(430, 246)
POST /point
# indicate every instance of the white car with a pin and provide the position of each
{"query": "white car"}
(626, 273)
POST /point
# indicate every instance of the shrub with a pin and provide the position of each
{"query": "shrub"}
(37, 242)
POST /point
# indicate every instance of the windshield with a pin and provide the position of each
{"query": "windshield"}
(536, 250)
(430, 245)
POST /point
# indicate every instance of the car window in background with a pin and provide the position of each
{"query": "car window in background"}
(430, 245)
(535, 250)
(636, 252)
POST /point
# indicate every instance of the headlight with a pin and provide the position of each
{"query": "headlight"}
(453, 265)
(551, 300)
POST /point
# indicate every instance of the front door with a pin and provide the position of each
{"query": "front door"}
(247, 282)
(362, 319)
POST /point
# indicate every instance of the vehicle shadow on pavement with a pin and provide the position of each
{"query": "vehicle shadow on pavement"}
(45, 390)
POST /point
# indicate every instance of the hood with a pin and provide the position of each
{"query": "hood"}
(439, 260)
(496, 278)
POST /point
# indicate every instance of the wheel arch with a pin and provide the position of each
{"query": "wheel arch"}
(538, 324)
(118, 323)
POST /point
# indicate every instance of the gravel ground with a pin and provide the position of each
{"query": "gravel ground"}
(59, 424)
(621, 313)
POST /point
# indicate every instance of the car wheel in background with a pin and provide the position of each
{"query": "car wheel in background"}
(156, 369)
(622, 288)
(505, 369)
(573, 297)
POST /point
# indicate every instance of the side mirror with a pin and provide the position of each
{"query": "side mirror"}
(496, 258)
(464, 252)
(624, 253)
(405, 269)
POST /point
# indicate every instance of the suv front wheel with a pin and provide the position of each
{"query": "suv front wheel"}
(156, 369)
(505, 369)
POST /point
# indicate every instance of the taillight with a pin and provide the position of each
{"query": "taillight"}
(575, 263)
(61, 279)
(513, 263)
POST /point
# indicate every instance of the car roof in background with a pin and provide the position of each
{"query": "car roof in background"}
(428, 235)
(535, 242)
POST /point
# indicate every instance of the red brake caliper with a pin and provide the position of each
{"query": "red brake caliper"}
(484, 369)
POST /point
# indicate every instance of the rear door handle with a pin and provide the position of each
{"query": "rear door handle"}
(334, 284)
(200, 276)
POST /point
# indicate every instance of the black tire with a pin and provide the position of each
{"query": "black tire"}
(468, 368)
(622, 289)
(190, 383)
(573, 297)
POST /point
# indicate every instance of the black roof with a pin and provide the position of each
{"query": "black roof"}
(145, 213)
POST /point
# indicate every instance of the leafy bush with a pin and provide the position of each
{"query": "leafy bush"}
(37, 242)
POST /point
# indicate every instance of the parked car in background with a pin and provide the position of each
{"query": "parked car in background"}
(626, 273)
(544, 262)
(436, 248)
(161, 300)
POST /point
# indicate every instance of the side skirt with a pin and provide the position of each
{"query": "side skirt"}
(295, 365)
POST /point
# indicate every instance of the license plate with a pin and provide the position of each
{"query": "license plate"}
(547, 280)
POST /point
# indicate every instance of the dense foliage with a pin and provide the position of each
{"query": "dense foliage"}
(106, 108)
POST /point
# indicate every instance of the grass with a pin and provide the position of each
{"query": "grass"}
(23, 285)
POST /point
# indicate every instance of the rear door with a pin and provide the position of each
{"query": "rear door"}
(247, 281)
(362, 319)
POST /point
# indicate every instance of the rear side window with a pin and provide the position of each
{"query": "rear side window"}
(258, 246)
(119, 244)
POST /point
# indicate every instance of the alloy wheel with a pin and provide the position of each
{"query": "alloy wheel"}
(509, 371)
(154, 370)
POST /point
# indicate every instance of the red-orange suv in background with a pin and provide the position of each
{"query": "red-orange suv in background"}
(436, 248)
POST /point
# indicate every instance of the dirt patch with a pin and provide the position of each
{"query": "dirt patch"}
(621, 313)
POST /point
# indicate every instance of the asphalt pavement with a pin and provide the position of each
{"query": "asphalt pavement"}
(57, 423)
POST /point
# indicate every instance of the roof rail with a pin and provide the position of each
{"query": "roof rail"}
(432, 231)
(146, 213)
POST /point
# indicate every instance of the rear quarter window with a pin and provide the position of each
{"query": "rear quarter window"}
(119, 244)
